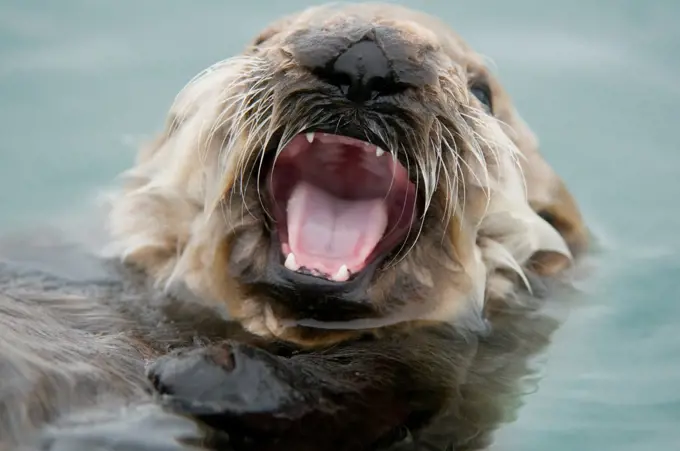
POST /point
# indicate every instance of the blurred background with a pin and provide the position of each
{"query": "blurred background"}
(83, 81)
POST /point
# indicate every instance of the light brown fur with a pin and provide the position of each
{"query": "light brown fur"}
(499, 229)
(181, 219)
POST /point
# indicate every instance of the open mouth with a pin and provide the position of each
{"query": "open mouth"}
(339, 203)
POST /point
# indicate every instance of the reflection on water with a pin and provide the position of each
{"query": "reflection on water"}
(83, 81)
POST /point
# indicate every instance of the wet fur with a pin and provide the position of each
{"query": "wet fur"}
(463, 303)
(75, 352)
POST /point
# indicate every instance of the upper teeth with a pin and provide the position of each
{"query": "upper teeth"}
(378, 151)
(310, 137)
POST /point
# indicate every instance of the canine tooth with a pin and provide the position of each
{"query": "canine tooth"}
(378, 151)
(310, 137)
(291, 263)
(342, 274)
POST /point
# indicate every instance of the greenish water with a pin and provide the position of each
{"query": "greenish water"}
(82, 81)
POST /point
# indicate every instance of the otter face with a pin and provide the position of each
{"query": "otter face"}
(356, 166)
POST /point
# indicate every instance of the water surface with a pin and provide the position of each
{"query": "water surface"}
(82, 82)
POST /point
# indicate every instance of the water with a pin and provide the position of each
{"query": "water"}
(82, 81)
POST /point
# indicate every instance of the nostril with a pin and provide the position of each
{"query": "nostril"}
(362, 72)
(339, 79)
(381, 86)
(363, 89)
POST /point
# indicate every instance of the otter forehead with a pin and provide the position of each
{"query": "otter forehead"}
(406, 37)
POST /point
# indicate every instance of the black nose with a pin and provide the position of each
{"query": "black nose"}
(362, 72)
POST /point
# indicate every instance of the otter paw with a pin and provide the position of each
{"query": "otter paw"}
(230, 383)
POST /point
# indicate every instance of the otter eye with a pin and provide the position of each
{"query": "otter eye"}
(483, 94)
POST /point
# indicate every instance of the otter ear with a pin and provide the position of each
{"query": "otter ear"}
(264, 36)
(269, 32)
(558, 208)
(552, 254)
(546, 192)
(519, 237)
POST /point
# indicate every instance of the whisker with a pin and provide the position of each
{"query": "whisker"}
(446, 150)
(398, 255)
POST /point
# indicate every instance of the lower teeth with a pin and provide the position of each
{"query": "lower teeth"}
(342, 275)
(312, 272)
(316, 273)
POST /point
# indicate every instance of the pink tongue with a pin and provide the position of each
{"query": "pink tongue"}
(325, 232)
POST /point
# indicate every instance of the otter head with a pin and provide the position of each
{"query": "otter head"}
(355, 166)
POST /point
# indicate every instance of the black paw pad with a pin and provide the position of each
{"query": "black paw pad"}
(230, 384)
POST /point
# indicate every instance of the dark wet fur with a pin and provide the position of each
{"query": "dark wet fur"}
(74, 352)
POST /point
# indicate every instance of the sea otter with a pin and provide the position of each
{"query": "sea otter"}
(343, 240)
